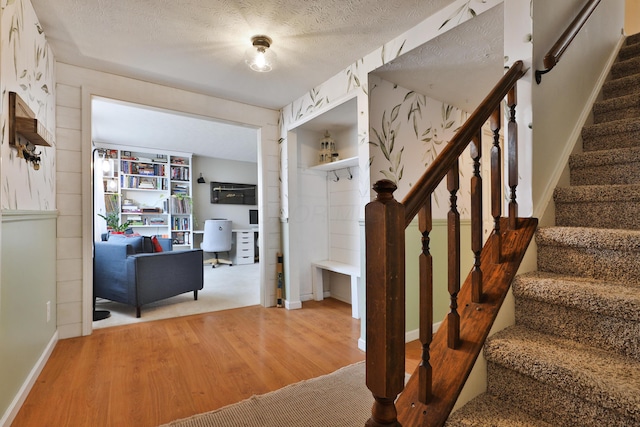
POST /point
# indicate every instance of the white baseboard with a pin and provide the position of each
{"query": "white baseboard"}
(408, 337)
(292, 305)
(415, 334)
(19, 399)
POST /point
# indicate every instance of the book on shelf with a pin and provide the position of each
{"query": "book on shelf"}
(111, 202)
(180, 173)
(181, 237)
(180, 224)
(180, 205)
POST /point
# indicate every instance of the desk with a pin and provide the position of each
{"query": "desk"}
(244, 248)
(337, 267)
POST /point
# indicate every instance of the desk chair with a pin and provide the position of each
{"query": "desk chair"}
(217, 238)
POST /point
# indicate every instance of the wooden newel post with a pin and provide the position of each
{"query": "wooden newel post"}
(385, 294)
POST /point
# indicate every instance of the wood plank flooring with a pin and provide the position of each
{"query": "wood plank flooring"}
(155, 372)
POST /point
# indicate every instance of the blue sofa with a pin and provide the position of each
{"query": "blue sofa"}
(129, 271)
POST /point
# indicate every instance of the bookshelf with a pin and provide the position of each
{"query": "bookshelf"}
(180, 201)
(151, 190)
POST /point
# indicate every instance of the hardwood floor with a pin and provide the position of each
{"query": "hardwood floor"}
(155, 372)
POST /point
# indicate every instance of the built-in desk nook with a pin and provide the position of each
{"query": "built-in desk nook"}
(352, 271)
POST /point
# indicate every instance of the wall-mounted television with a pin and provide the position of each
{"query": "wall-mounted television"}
(233, 193)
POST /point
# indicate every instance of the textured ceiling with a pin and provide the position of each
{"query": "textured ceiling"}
(459, 67)
(199, 45)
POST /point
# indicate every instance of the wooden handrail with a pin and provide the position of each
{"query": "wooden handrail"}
(385, 222)
(436, 172)
(553, 56)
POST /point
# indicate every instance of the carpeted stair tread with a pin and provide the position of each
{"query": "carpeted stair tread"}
(616, 166)
(614, 134)
(633, 39)
(597, 313)
(598, 296)
(593, 238)
(630, 50)
(604, 157)
(603, 254)
(597, 193)
(618, 108)
(487, 410)
(625, 67)
(603, 378)
(598, 206)
(621, 87)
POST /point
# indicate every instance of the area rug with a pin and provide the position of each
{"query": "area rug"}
(224, 288)
(339, 399)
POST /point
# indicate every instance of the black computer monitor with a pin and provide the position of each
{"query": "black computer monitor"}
(253, 216)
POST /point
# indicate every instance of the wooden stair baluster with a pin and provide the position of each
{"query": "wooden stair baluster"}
(425, 373)
(476, 218)
(453, 237)
(512, 130)
(496, 184)
(385, 303)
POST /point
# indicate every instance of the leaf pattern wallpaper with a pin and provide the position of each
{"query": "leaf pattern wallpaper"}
(353, 81)
(27, 69)
(408, 131)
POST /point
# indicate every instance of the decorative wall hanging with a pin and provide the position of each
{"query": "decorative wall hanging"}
(22, 121)
(233, 194)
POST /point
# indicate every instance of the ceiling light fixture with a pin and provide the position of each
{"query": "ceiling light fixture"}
(259, 57)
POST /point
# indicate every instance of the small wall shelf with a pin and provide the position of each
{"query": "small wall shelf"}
(22, 120)
(340, 164)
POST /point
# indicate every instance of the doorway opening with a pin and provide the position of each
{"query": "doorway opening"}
(160, 165)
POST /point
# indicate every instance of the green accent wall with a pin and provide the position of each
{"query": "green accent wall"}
(27, 282)
(438, 250)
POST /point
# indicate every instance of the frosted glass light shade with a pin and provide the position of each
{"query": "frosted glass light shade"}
(259, 57)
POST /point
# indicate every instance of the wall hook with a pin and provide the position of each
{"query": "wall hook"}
(337, 177)
(350, 174)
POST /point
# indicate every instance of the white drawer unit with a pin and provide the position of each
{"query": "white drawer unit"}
(243, 250)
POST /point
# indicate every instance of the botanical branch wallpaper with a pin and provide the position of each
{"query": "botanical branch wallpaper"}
(32, 77)
(408, 131)
(353, 82)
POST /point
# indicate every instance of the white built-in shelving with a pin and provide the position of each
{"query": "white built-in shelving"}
(152, 190)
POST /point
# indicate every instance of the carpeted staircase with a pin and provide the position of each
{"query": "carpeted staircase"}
(573, 357)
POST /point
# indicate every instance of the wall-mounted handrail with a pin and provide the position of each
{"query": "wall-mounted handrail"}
(553, 56)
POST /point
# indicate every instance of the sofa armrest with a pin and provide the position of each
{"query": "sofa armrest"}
(162, 275)
(109, 274)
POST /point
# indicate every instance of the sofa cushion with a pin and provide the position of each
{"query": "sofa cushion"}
(157, 247)
(136, 242)
(147, 245)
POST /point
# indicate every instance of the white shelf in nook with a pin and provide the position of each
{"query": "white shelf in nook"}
(340, 164)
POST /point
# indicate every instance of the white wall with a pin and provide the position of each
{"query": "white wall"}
(561, 103)
(327, 211)
(219, 170)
